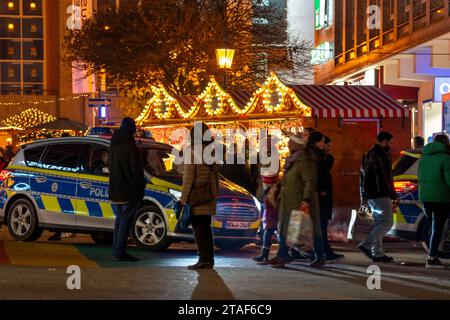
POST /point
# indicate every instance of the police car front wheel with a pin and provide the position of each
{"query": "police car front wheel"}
(22, 221)
(150, 230)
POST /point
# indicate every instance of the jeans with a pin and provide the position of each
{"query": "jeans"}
(383, 221)
(125, 214)
(267, 238)
(326, 244)
(204, 238)
(283, 249)
(437, 213)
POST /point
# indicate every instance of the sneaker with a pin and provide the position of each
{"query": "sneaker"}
(263, 262)
(383, 259)
(259, 259)
(298, 254)
(277, 262)
(334, 257)
(434, 263)
(201, 265)
(318, 263)
(364, 250)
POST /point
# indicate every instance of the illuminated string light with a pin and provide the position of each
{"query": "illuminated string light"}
(27, 119)
(39, 102)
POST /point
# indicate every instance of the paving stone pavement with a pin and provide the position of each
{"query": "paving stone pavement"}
(164, 275)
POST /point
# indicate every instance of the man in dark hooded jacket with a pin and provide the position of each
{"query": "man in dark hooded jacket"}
(126, 185)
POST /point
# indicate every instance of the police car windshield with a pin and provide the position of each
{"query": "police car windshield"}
(158, 161)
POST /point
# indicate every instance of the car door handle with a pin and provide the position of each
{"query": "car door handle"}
(85, 185)
(40, 179)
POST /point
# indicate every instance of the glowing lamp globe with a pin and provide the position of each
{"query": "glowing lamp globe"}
(225, 58)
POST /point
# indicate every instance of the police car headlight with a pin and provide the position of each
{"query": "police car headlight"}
(257, 203)
(175, 193)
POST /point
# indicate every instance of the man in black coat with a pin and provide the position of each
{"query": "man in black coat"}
(126, 185)
(378, 192)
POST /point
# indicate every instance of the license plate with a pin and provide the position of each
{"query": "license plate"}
(237, 225)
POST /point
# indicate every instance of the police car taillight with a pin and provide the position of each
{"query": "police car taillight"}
(4, 174)
(405, 186)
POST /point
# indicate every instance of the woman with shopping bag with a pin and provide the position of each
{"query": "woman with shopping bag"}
(299, 193)
(199, 195)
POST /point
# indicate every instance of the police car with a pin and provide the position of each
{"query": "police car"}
(62, 185)
(410, 222)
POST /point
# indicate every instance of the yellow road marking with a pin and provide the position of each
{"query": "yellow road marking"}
(46, 254)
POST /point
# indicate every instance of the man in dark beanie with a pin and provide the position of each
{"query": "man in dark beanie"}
(126, 185)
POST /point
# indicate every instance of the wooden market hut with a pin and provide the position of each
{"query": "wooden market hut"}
(350, 115)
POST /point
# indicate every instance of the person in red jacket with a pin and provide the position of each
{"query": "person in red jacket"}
(270, 222)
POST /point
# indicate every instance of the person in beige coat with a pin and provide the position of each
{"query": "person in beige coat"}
(200, 192)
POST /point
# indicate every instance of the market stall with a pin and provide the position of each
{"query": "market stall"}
(350, 115)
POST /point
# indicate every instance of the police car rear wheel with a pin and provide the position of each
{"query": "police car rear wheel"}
(22, 220)
(150, 230)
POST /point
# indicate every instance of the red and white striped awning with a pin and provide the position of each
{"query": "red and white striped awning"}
(240, 97)
(349, 101)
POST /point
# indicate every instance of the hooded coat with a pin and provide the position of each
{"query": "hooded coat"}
(126, 174)
(299, 184)
(434, 174)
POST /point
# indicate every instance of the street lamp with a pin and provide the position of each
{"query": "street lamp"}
(225, 58)
(225, 61)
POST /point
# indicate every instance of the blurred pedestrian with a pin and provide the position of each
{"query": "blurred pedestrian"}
(9, 153)
(326, 201)
(235, 169)
(200, 192)
(418, 142)
(299, 192)
(378, 192)
(434, 191)
(3, 162)
(126, 185)
(270, 220)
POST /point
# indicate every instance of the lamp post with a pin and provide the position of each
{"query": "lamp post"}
(225, 61)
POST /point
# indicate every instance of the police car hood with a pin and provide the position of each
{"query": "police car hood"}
(226, 187)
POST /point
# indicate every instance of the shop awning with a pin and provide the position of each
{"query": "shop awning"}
(349, 101)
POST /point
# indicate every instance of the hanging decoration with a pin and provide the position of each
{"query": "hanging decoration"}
(28, 118)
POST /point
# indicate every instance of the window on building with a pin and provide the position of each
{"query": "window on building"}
(9, 7)
(260, 21)
(262, 3)
(32, 7)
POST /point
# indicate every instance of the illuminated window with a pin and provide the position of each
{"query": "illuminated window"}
(11, 73)
(33, 52)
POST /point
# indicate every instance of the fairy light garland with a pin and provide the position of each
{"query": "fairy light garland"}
(28, 118)
(213, 93)
(39, 102)
(273, 94)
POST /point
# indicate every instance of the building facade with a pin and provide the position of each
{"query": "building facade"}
(401, 46)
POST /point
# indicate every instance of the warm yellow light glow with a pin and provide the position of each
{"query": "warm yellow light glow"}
(225, 58)
(377, 43)
(439, 11)
(11, 5)
(107, 28)
(32, 6)
(11, 27)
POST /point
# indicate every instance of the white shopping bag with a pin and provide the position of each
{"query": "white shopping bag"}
(300, 231)
(360, 224)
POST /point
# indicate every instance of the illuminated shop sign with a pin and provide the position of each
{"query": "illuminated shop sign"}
(322, 13)
(441, 87)
(322, 53)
